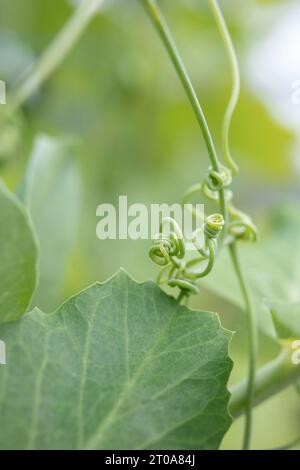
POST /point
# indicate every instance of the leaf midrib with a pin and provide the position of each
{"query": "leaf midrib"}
(97, 436)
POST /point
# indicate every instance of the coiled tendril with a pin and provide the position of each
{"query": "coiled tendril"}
(168, 245)
(169, 250)
(241, 226)
(217, 180)
(214, 181)
(211, 185)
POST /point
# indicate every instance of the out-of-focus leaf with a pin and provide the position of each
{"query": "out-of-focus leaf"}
(16, 56)
(286, 318)
(18, 257)
(11, 134)
(272, 268)
(119, 366)
(51, 192)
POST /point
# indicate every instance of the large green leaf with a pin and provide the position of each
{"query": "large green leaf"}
(119, 366)
(272, 267)
(51, 192)
(18, 257)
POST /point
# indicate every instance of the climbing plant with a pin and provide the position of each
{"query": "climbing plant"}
(122, 364)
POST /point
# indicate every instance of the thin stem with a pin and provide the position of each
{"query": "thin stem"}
(236, 82)
(166, 36)
(224, 211)
(270, 379)
(55, 53)
(252, 344)
(236, 85)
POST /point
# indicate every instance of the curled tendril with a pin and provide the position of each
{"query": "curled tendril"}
(236, 83)
(217, 180)
(210, 186)
(186, 286)
(168, 245)
(241, 226)
(213, 226)
(169, 250)
(214, 195)
(214, 182)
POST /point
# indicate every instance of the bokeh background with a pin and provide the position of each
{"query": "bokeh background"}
(118, 95)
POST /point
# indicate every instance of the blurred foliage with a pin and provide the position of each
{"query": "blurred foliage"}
(19, 253)
(50, 190)
(118, 94)
(279, 280)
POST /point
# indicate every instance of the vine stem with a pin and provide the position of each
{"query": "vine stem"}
(165, 34)
(252, 344)
(54, 54)
(270, 379)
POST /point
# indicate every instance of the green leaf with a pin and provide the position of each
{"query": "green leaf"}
(18, 257)
(119, 366)
(286, 318)
(51, 192)
(272, 267)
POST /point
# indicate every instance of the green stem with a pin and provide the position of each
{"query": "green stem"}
(55, 53)
(270, 379)
(165, 34)
(252, 344)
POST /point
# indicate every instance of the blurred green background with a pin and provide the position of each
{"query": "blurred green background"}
(118, 94)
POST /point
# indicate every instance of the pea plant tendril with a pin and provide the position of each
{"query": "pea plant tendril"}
(169, 251)
(234, 224)
(236, 83)
(148, 323)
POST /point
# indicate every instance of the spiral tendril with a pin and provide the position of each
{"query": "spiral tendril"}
(168, 245)
(210, 186)
(214, 225)
(169, 250)
(217, 180)
(241, 226)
